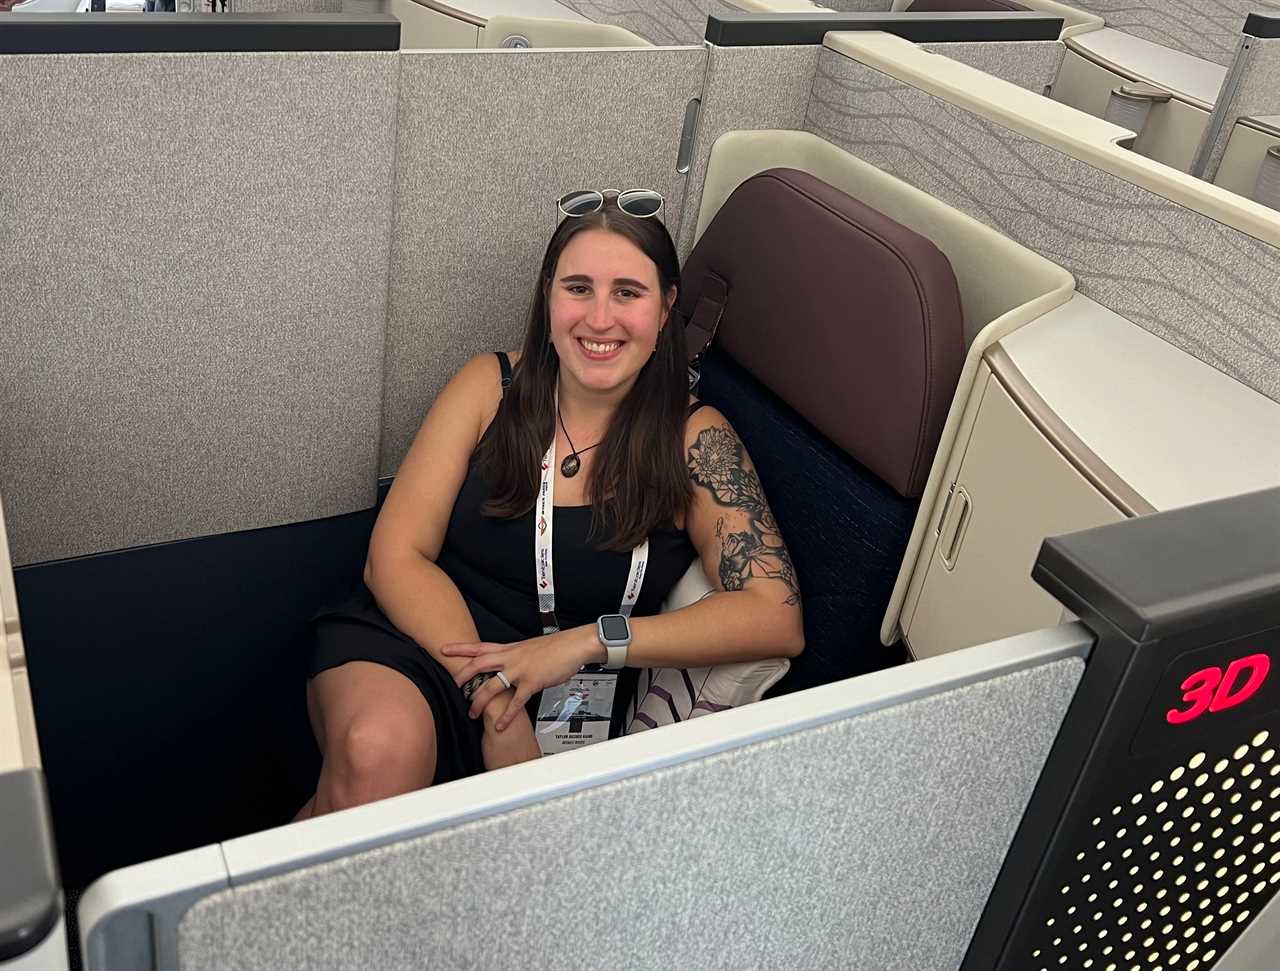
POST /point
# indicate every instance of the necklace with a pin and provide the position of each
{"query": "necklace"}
(571, 464)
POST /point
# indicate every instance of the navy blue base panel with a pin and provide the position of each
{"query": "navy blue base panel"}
(169, 686)
(846, 530)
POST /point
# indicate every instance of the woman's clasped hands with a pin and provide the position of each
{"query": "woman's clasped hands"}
(529, 666)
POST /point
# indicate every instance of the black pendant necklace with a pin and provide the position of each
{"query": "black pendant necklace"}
(571, 464)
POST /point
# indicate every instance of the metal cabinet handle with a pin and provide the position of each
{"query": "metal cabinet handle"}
(953, 529)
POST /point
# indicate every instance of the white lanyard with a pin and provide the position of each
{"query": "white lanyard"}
(542, 529)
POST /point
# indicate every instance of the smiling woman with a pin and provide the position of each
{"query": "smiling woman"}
(470, 607)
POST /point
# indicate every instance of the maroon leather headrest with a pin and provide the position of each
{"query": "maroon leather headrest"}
(963, 6)
(849, 317)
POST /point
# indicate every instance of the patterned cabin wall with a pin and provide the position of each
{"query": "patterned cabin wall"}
(663, 22)
(1201, 285)
(1206, 28)
(1257, 93)
(1030, 64)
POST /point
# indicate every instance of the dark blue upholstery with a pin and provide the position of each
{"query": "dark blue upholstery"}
(846, 530)
(169, 686)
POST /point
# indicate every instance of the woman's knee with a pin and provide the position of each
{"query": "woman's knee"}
(381, 754)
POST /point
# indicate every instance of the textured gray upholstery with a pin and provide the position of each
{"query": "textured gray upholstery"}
(746, 88)
(869, 842)
(1258, 93)
(664, 22)
(1199, 284)
(194, 292)
(1030, 64)
(474, 211)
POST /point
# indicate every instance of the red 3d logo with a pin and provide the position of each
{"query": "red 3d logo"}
(1213, 690)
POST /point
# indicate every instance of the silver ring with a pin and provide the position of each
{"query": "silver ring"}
(503, 678)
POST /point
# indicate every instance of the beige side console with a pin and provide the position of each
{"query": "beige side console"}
(1242, 164)
(517, 32)
(1103, 67)
(18, 743)
(1080, 418)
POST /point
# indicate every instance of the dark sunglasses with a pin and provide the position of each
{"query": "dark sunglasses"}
(641, 203)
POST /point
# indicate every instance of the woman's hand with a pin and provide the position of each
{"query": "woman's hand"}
(530, 666)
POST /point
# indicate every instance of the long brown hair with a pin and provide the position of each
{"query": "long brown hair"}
(640, 480)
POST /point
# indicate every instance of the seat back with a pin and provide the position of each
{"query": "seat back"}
(839, 392)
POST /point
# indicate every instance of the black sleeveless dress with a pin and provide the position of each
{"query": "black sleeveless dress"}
(491, 561)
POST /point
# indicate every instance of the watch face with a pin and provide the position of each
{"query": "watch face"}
(614, 627)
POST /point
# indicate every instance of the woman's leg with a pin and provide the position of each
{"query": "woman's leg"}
(375, 732)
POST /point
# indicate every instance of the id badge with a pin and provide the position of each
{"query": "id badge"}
(576, 713)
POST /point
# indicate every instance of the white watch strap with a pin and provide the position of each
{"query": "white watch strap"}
(617, 656)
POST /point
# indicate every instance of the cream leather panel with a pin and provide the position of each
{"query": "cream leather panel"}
(18, 746)
(1175, 429)
(1238, 171)
(1072, 132)
(422, 28)
(1141, 60)
(1173, 129)
(1073, 21)
(778, 6)
(542, 32)
(1019, 489)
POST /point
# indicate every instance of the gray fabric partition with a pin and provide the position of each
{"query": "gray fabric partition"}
(1205, 28)
(868, 842)
(1031, 64)
(473, 214)
(746, 88)
(658, 21)
(1201, 285)
(1257, 93)
(194, 292)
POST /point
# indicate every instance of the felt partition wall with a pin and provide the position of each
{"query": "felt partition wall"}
(868, 841)
(1253, 88)
(663, 22)
(1200, 284)
(1030, 64)
(1205, 28)
(194, 293)
(487, 141)
(747, 88)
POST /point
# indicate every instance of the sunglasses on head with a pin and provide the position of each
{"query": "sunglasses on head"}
(641, 203)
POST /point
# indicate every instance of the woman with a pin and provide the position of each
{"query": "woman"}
(641, 479)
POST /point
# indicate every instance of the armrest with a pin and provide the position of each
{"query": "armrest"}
(30, 894)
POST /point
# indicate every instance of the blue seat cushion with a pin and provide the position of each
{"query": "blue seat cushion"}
(846, 530)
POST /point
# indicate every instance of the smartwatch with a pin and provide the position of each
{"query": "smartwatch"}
(614, 631)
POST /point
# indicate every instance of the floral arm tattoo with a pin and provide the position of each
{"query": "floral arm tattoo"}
(717, 464)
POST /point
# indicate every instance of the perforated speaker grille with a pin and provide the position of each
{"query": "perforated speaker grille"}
(1171, 874)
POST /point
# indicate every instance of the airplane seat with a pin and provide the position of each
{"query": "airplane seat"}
(839, 392)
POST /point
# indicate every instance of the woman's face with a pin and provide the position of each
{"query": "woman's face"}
(606, 309)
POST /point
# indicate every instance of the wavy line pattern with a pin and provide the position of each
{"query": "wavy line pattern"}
(1203, 286)
(1029, 64)
(1205, 28)
(661, 21)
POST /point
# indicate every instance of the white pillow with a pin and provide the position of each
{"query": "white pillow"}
(667, 695)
